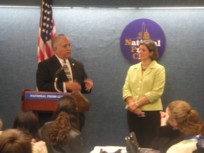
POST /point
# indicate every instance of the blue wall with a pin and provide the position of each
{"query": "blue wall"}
(95, 36)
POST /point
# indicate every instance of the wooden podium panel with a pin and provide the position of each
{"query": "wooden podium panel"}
(47, 101)
(40, 101)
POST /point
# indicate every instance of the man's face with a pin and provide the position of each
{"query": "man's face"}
(63, 48)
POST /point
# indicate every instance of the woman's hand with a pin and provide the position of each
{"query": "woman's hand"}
(164, 118)
(135, 109)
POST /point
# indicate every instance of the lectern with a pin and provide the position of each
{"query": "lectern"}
(47, 101)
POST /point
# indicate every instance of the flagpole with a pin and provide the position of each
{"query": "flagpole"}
(41, 13)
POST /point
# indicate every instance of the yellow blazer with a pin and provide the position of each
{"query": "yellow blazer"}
(149, 83)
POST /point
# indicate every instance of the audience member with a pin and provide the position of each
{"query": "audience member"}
(28, 123)
(179, 123)
(62, 134)
(142, 91)
(15, 141)
(68, 104)
(1, 125)
(199, 150)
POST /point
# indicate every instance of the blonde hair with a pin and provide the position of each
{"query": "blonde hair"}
(188, 121)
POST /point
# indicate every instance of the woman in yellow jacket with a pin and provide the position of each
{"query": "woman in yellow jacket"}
(142, 91)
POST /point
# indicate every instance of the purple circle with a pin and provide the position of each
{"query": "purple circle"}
(137, 31)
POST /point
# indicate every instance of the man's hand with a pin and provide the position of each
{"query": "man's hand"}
(88, 84)
(73, 86)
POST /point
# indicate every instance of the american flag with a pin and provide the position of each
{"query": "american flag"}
(46, 31)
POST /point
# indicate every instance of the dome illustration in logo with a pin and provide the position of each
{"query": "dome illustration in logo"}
(135, 32)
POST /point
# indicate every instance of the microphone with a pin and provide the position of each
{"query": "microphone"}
(56, 78)
(58, 71)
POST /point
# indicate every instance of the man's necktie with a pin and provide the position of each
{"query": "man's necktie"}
(67, 71)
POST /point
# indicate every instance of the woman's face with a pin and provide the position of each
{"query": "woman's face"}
(171, 121)
(144, 53)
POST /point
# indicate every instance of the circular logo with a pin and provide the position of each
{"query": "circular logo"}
(138, 30)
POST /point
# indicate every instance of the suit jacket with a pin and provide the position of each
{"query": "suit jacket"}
(50, 69)
(150, 84)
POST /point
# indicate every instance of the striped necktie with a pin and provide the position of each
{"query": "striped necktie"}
(67, 71)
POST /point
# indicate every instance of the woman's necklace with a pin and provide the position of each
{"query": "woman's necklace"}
(144, 68)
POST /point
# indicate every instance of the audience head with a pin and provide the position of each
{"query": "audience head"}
(58, 132)
(68, 105)
(1, 124)
(61, 46)
(151, 47)
(15, 141)
(184, 118)
(65, 118)
(28, 122)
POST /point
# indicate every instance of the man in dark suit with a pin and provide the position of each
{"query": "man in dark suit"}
(51, 75)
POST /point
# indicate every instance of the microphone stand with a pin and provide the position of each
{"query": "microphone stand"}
(56, 78)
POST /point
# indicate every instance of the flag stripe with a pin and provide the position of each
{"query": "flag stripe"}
(46, 31)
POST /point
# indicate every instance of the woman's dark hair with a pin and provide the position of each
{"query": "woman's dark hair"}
(67, 104)
(150, 44)
(27, 121)
(1, 124)
(60, 127)
(15, 141)
(65, 118)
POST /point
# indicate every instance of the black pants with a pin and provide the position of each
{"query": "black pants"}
(145, 128)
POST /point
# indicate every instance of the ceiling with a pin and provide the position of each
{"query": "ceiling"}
(109, 3)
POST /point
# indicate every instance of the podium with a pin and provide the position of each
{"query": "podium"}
(47, 101)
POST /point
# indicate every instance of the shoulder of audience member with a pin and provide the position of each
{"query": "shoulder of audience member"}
(39, 147)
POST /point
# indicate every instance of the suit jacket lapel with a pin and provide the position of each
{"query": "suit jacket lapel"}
(55, 62)
(149, 69)
(56, 66)
(73, 69)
